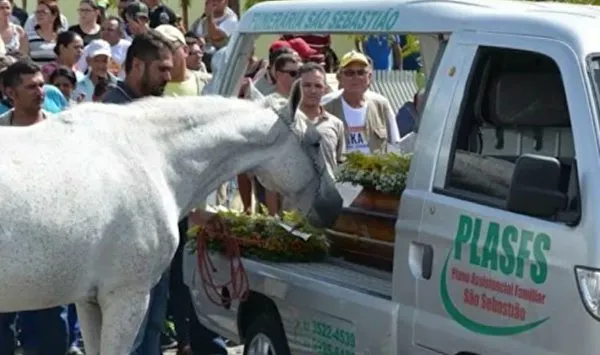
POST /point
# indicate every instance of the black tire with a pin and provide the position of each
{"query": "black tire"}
(270, 327)
(202, 338)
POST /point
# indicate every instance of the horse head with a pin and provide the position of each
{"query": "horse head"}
(300, 167)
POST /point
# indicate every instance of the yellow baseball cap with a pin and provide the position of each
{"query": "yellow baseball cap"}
(171, 33)
(354, 57)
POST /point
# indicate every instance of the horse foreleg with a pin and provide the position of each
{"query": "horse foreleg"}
(90, 320)
(122, 314)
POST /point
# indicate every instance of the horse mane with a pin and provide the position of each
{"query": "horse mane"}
(287, 111)
(161, 110)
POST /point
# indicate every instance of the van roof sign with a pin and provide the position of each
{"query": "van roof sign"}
(330, 21)
(566, 22)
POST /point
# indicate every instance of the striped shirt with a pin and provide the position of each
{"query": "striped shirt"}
(41, 51)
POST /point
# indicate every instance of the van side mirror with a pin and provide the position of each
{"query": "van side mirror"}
(535, 187)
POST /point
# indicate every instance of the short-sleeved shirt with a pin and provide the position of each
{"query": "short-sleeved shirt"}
(31, 22)
(87, 37)
(333, 135)
(40, 50)
(6, 117)
(226, 23)
(192, 86)
(54, 101)
(276, 101)
(120, 94)
(264, 86)
(84, 90)
(162, 15)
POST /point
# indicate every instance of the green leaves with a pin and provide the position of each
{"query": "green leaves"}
(261, 236)
(382, 172)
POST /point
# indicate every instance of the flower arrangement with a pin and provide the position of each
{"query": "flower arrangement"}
(385, 173)
(289, 238)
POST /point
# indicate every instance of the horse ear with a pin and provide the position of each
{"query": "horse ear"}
(295, 98)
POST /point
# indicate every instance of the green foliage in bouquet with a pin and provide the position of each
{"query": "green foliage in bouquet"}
(381, 172)
(261, 236)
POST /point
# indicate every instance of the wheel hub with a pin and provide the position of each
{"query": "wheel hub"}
(261, 345)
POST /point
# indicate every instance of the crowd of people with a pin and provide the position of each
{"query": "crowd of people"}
(46, 66)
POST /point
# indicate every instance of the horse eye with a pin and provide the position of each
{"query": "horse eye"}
(317, 145)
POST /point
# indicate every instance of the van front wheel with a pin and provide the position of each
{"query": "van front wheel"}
(265, 336)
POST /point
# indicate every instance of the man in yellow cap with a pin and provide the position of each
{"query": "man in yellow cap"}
(369, 120)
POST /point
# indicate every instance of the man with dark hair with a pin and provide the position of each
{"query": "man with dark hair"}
(285, 72)
(23, 86)
(196, 45)
(312, 86)
(47, 329)
(147, 69)
(137, 18)
(266, 84)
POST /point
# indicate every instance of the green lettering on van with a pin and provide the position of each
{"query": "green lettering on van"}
(539, 271)
(497, 250)
(489, 256)
(342, 20)
(507, 258)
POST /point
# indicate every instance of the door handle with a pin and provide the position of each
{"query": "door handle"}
(420, 260)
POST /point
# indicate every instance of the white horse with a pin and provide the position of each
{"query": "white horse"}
(91, 199)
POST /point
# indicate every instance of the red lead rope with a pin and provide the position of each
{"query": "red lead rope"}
(237, 286)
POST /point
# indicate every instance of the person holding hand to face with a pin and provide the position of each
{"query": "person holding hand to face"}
(215, 26)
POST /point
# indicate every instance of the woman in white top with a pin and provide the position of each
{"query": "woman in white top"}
(31, 22)
(43, 40)
(13, 35)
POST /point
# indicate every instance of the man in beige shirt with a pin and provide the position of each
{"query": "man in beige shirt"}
(368, 118)
(313, 86)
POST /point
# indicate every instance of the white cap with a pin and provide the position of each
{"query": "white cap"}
(98, 47)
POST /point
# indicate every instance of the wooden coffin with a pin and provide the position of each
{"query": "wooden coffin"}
(364, 231)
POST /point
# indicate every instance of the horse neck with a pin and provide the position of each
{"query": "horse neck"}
(199, 160)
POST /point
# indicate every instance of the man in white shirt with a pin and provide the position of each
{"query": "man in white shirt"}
(368, 117)
(111, 31)
(215, 26)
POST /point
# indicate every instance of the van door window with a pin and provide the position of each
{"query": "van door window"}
(514, 104)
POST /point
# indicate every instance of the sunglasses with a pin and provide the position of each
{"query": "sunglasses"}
(352, 72)
(291, 73)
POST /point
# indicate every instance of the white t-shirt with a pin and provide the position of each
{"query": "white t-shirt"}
(355, 119)
(117, 61)
(393, 131)
(32, 22)
(226, 23)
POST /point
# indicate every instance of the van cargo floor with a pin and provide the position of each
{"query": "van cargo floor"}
(359, 278)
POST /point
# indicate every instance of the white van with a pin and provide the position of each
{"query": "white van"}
(497, 248)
